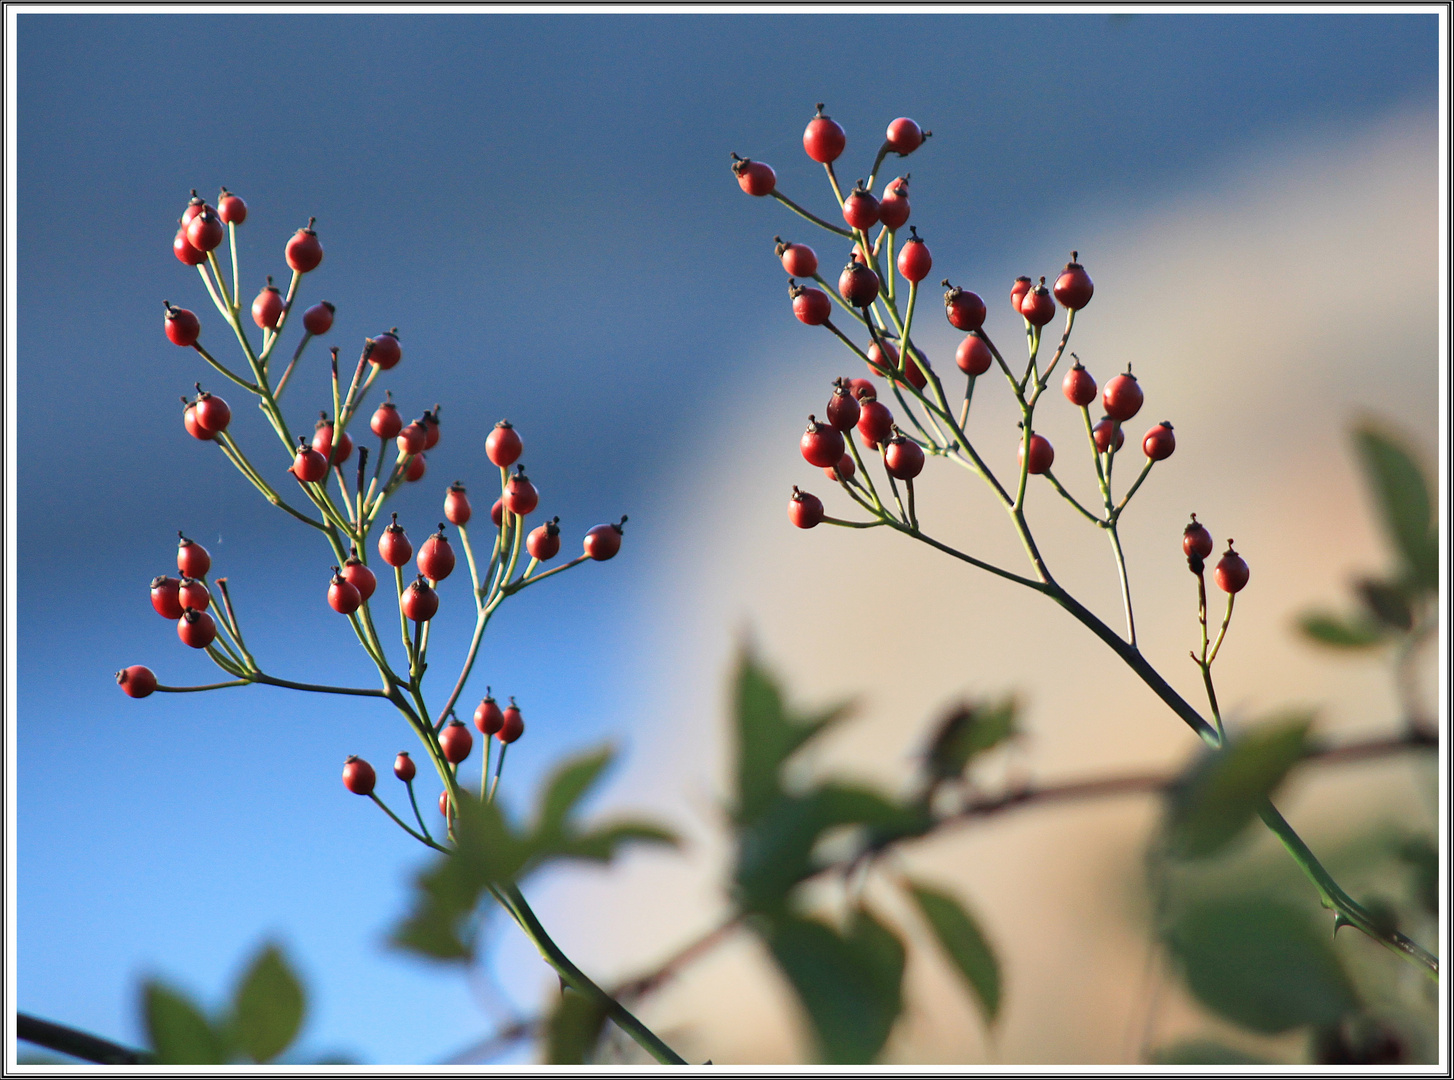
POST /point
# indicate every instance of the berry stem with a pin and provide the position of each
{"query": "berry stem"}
(1222, 633)
(1145, 470)
(238, 379)
(227, 300)
(853, 524)
(1125, 582)
(194, 689)
(1044, 379)
(837, 298)
(232, 243)
(964, 409)
(1068, 497)
(403, 622)
(485, 768)
(852, 445)
(837, 192)
(227, 313)
(426, 841)
(469, 555)
(235, 455)
(1096, 456)
(515, 586)
(814, 218)
(224, 662)
(417, 815)
(287, 371)
(883, 152)
(499, 768)
(270, 337)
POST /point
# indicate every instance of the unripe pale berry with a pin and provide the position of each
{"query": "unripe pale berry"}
(503, 446)
(1073, 288)
(1232, 572)
(805, 509)
(903, 458)
(1078, 385)
(973, 356)
(1122, 396)
(1159, 442)
(964, 309)
(754, 177)
(456, 742)
(358, 775)
(601, 543)
(303, 251)
(457, 504)
(543, 543)
(823, 138)
(1042, 454)
(799, 260)
(136, 681)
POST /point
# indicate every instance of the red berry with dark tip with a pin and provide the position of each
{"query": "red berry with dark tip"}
(513, 724)
(182, 326)
(385, 351)
(196, 628)
(894, 210)
(805, 510)
(863, 390)
(267, 309)
(488, 717)
(318, 319)
(1042, 454)
(394, 546)
(436, 557)
(503, 446)
(192, 593)
(903, 458)
(915, 262)
(1122, 396)
(1078, 385)
(420, 602)
(904, 136)
(1073, 288)
(386, 422)
(860, 208)
(136, 681)
(1159, 442)
(1195, 540)
(543, 543)
(195, 205)
(1036, 305)
(357, 574)
(212, 414)
(1103, 432)
(799, 260)
(1232, 573)
(973, 356)
(457, 504)
(404, 767)
(414, 472)
(164, 596)
(858, 285)
(1018, 290)
(875, 422)
(303, 251)
(430, 422)
(456, 742)
(821, 444)
(192, 558)
(412, 438)
(206, 231)
(358, 775)
(843, 408)
(810, 305)
(845, 468)
(194, 429)
(603, 541)
(185, 252)
(823, 138)
(231, 209)
(343, 595)
(754, 177)
(964, 309)
(885, 354)
(323, 443)
(520, 496)
(309, 465)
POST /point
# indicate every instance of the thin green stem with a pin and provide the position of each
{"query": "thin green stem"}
(417, 815)
(238, 379)
(1068, 497)
(194, 689)
(814, 218)
(1145, 471)
(426, 841)
(1222, 633)
(1125, 582)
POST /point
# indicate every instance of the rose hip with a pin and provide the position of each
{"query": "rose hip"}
(520, 496)
(359, 576)
(805, 510)
(543, 543)
(754, 177)
(457, 504)
(1159, 442)
(182, 326)
(823, 138)
(343, 595)
(1232, 573)
(358, 775)
(858, 285)
(394, 546)
(915, 262)
(904, 136)
(456, 742)
(799, 260)
(810, 305)
(512, 726)
(1042, 454)
(1073, 288)
(206, 231)
(903, 458)
(415, 469)
(1122, 396)
(385, 351)
(964, 309)
(386, 422)
(1105, 429)
(412, 438)
(267, 309)
(420, 602)
(843, 408)
(136, 681)
(488, 717)
(192, 593)
(196, 628)
(601, 543)
(973, 356)
(1036, 305)
(1018, 290)
(860, 208)
(893, 211)
(845, 469)
(1195, 540)
(503, 446)
(309, 466)
(1078, 385)
(164, 597)
(404, 767)
(436, 557)
(323, 442)
(192, 558)
(821, 444)
(303, 251)
(318, 319)
(184, 251)
(875, 423)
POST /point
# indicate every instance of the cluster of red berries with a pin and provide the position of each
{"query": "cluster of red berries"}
(1231, 572)
(824, 140)
(185, 600)
(203, 228)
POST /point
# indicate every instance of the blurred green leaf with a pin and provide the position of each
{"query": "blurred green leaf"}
(1387, 604)
(965, 732)
(1205, 1052)
(1344, 633)
(179, 1031)
(1403, 497)
(964, 943)
(1423, 858)
(267, 1006)
(600, 844)
(567, 785)
(850, 986)
(573, 1029)
(1261, 964)
(1223, 790)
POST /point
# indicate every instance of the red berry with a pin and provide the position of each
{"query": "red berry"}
(386, 422)
(843, 407)
(823, 139)
(436, 557)
(211, 413)
(412, 438)
(318, 319)
(885, 354)
(1159, 442)
(192, 558)
(205, 231)
(503, 447)
(1122, 396)
(543, 543)
(164, 597)
(136, 681)
(821, 445)
(304, 252)
(359, 576)
(420, 602)
(385, 350)
(1042, 454)
(456, 742)
(183, 327)
(973, 356)
(457, 503)
(231, 209)
(323, 442)
(404, 766)
(444, 803)
(195, 429)
(805, 510)
(1195, 540)
(915, 261)
(964, 309)
(875, 423)
(497, 512)
(488, 717)
(196, 628)
(309, 465)
(894, 210)
(430, 421)
(520, 494)
(195, 205)
(343, 595)
(810, 305)
(1103, 434)
(1036, 305)
(858, 285)
(1073, 288)
(904, 136)
(512, 725)
(860, 208)
(184, 251)
(754, 177)
(358, 775)
(799, 260)
(1232, 572)
(415, 469)
(913, 372)
(191, 593)
(845, 468)
(601, 543)
(903, 458)
(1018, 291)
(394, 546)
(863, 390)
(1078, 386)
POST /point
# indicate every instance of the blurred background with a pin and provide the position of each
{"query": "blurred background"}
(542, 205)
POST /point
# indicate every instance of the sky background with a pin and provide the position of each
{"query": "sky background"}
(542, 205)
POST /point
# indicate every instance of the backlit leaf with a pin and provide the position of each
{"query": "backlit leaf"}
(180, 1033)
(573, 1029)
(964, 944)
(1403, 497)
(1344, 633)
(965, 732)
(267, 1007)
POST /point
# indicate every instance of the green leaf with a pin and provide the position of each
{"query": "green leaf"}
(1403, 497)
(567, 785)
(573, 1029)
(1261, 964)
(850, 986)
(964, 943)
(1423, 859)
(1387, 604)
(267, 1007)
(180, 1033)
(1205, 1052)
(1223, 790)
(965, 732)
(599, 845)
(1343, 633)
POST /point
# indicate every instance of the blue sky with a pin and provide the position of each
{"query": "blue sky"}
(542, 205)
